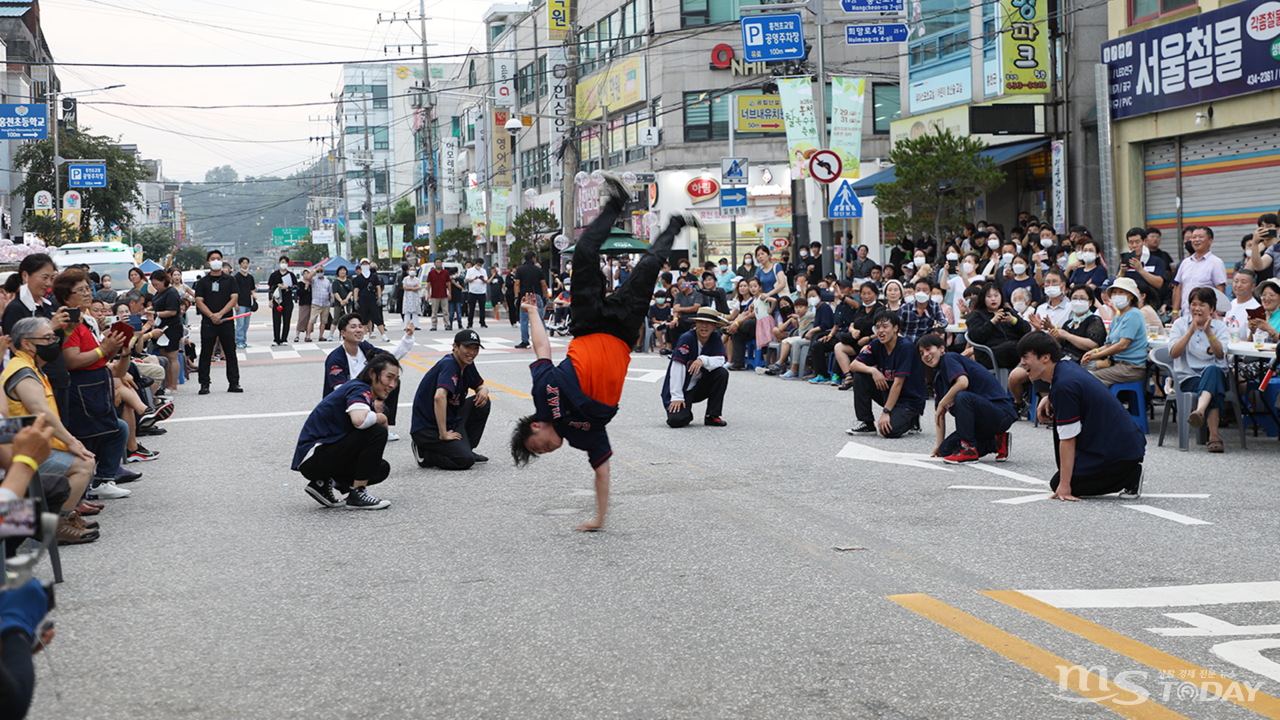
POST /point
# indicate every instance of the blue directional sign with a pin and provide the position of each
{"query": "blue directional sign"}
(87, 176)
(874, 5)
(844, 203)
(733, 201)
(766, 38)
(24, 122)
(874, 34)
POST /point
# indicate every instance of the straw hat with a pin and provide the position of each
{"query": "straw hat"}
(710, 315)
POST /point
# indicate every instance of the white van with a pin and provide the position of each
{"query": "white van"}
(104, 258)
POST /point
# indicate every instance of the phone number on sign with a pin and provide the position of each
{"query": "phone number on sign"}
(1018, 85)
(1264, 77)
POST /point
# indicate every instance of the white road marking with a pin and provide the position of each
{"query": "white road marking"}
(1168, 596)
(253, 416)
(1248, 655)
(1024, 499)
(1168, 515)
(992, 487)
(1007, 473)
(1203, 625)
(649, 376)
(855, 451)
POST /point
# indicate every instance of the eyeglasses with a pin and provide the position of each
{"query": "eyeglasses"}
(83, 291)
(44, 339)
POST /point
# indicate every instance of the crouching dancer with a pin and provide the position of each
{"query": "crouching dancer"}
(983, 408)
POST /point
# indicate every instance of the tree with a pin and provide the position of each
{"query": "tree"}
(403, 214)
(532, 229)
(938, 176)
(456, 241)
(50, 229)
(190, 257)
(224, 174)
(156, 241)
(308, 252)
(102, 207)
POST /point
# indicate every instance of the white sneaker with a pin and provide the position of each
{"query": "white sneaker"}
(392, 437)
(107, 491)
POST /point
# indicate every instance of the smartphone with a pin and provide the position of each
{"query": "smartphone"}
(125, 329)
(11, 425)
(1269, 232)
(135, 321)
(18, 518)
(73, 314)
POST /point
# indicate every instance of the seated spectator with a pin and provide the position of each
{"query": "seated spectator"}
(788, 320)
(983, 410)
(922, 315)
(741, 328)
(659, 316)
(712, 296)
(560, 314)
(1021, 302)
(819, 320)
(1198, 346)
(846, 308)
(1264, 250)
(1126, 346)
(1055, 311)
(1090, 271)
(1019, 269)
(889, 372)
(1100, 448)
(939, 296)
(1242, 301)
(893, 295)
(998, 327)
(684, 303)
(1268, 326)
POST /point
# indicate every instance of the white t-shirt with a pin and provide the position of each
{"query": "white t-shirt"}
(956, 286)
(1059, 315)
(476, 280)
(1238, 315)
(355, 364)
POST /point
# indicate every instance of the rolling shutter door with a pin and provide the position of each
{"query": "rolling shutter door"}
(1158, 160)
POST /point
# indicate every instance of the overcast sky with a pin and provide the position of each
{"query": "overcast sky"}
(248, 31)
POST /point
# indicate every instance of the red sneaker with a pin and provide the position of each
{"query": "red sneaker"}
(1003, 441)
(967, 454)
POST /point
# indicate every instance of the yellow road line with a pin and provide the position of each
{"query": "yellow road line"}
(1207, 680)
(492, 385)
(1036, 659)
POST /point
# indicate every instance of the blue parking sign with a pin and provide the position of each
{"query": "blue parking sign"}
(767, 38)
(87, 176)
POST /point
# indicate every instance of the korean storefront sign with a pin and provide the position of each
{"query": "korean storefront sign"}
(1025, 47)
(618, 86)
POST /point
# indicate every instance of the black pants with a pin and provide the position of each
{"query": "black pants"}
(17, 673)
(818, 352)
(1119, 476)
(1006, 356)
(710, 387)
(454, 454)
(746, 333)
(622, 313)
(978, 422)
(281, 318)
(210, 334)
(476, 302)
(357, 456)
(390, 404)
(901, 418)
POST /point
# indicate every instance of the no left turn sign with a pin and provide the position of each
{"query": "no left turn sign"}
(825, 166)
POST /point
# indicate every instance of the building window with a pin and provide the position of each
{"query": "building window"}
(526, 84)
(356, 89)
(709, 12)
(1143, 10)
(380, 96)
(471, 75)
(541, 76)
(886, 106)
(706, 117)
(381, 138)
(380, 182)
(455, 127)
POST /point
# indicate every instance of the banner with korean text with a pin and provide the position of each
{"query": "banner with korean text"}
(847, 96)
(449, 176)
(1025, 47)
(558, 62)
(796, 95)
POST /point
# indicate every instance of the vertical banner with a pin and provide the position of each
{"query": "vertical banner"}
(558, 62)
(484, 128)
(847, 96)
(498, 213)
(504, 81)
(449, 176)
(557, 19)
(397, 241)
(1058, 171)
(475, 205)
(1024, 49)
(380, 241)
(796, 95)
(501, 143)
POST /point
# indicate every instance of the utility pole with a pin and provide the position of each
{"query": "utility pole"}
(366, 159)
(572, 149)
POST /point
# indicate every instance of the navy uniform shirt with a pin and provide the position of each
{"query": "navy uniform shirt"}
(686, 351)
(1085, 409)
(329, 421)
(455, 381)
(559, 400)
(337, 368)
(981, 382)
(904, 363)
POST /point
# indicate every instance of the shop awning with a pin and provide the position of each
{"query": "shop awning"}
(866, 187)
(619, 242)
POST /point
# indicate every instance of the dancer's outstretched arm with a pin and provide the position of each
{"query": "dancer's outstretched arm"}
(537, 331)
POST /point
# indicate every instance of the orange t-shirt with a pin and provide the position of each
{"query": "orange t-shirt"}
(601, 362)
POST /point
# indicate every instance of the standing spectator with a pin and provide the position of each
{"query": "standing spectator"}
(343, 293)
(411, 299)
(1145, 265)
(860, 268)
(37, 272)
(365, 284)
(890, 373)
(659, 314)
(773, 279)
(216, 300)
(495, 291)
(748, 266)
(245, 289)
(168, 309)
(742, 323)
(1126, 339)
(1100, 447)
(509, 292)
(1261, 258)
(697, 372)
(1198, 346)
(529, 280)
(139, 281)
(457, 298)
(477, 289)
(983, 410)
(280, 289)
(438, 294)
(321, 297)
(378, 288)
(1200, 269)
(1019, 268)
(303, 295)
(922, 315)
(447, 425)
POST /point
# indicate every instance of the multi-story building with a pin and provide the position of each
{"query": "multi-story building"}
(1194, 126)
(23, 43)
(673, 67)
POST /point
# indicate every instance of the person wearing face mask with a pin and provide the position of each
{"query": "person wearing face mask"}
(724, 278)
(216, 300)
(105, 293)
(1055, 311)
(411, 301)
(1126, 348)
(1090, 270)
(246, 287)
(918, 268)
(303, 295)
(846, 310)
(748, 266)
(1082, 333)
(1020, 278)
(321, 298)
(819, 321)
(921, 315)
(280, 286)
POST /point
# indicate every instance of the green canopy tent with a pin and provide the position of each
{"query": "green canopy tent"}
(619, 242)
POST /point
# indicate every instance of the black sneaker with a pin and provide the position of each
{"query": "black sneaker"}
(324, 494)
(1135, 491)
(522, 346)
(860, 428)
(614, 190)
(478, 457)
(235, 388)
(360, 499)
(204, 390)
(163, 411)
(915, 427)
(714, 422)
(738, 366)
(143, 432)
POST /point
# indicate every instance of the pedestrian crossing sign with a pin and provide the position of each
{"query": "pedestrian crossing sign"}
(844, 203)
(733, 171)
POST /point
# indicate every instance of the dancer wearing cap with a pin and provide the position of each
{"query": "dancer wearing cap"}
(576, 399)
(447, 425)
(348, 359)
(697, 372)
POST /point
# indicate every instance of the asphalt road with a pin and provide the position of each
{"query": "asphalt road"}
(747, 571)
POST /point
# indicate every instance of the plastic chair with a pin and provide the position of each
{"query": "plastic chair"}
(1183, 402)
(647, 343)
(1002, 375)
(750, 355)
(35, 491)
(1138, 407)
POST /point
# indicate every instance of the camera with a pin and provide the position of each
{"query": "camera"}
(24, 519)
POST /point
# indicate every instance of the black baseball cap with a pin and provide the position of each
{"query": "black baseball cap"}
(467, 337)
